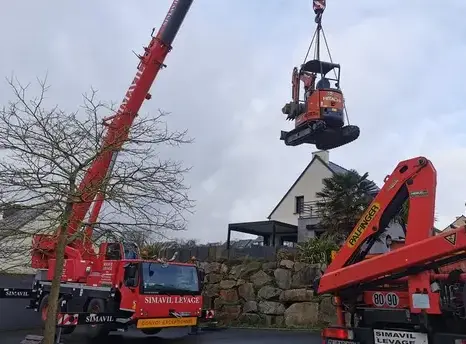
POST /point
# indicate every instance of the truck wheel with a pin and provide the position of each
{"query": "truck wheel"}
(101, 330)
(150, 331)
(43, 309)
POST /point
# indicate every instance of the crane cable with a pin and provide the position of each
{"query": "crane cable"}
(319, 8)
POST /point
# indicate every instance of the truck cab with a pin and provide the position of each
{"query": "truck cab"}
(165, 294)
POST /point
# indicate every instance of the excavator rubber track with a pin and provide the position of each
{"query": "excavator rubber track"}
(325, 139)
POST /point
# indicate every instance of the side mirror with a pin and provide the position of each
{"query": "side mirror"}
(201, 277)
(131, 282)
(131, 271)
(131, 274)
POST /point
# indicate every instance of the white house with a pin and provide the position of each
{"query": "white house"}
(459, 221)
(294, 219)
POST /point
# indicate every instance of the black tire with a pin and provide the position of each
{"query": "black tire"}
(99, 331)
(150, 331)
(44, 304)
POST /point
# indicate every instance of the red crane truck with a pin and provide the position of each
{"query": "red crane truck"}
(114, 288)
(414, 294)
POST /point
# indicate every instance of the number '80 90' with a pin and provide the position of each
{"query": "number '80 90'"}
(385, 299)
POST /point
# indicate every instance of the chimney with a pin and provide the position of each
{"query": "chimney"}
(323, 154)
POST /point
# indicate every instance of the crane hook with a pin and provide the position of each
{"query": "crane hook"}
(319, 7)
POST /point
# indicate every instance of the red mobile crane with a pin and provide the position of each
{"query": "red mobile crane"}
(115, 288)
(411, 295)
(319, 121)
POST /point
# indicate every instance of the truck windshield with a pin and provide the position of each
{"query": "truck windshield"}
(158, 278)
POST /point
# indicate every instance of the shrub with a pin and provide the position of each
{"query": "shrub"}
(152, 250)
(317, 250)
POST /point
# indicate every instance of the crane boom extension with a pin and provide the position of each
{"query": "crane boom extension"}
(119, 125)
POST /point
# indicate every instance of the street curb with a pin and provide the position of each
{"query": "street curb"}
(20, 330)
(315, 331)
(213, 329)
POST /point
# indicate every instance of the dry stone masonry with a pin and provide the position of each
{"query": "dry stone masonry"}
(268, 294)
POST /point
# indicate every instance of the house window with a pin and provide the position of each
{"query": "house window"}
(299, 204)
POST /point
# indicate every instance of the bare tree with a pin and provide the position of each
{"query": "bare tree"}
(45, 153)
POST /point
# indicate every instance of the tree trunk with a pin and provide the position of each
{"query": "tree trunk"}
(51, 322)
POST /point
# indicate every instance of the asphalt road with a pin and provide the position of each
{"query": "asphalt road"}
(232, 336)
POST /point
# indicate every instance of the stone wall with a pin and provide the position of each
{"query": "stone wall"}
(268, 294)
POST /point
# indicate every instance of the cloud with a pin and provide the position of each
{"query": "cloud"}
(229, 75)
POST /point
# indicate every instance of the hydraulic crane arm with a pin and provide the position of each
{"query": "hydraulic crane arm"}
(349, 273)
(119, 125)
(413, 179)
(410, 259)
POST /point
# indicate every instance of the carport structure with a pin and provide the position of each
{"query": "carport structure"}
(274, 232)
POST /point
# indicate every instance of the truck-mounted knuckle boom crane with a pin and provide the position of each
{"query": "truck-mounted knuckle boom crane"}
(415, 292)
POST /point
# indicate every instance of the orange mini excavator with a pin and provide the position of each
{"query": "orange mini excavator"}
(319, 118)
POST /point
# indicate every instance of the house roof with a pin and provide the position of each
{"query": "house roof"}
(261, 228)
(334, 168)
(459, 221)
(18, 216)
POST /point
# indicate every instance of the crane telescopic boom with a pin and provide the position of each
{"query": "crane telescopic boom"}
(119, 124)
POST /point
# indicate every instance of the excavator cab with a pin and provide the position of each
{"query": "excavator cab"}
(319, 117)
(324, 101)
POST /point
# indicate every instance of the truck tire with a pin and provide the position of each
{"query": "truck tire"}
(101, 330)
(150, 331)
(43, 308)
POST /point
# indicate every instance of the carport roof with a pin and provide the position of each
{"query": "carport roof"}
(263, 227)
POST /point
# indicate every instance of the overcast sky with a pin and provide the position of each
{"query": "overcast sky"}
(229, 75)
